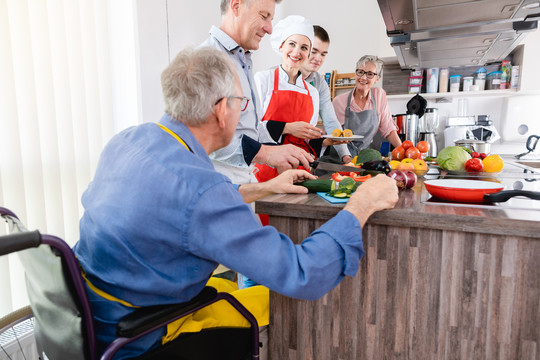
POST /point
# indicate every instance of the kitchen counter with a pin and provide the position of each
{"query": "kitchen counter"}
(439, 280)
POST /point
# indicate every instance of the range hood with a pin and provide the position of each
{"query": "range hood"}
(442, 33)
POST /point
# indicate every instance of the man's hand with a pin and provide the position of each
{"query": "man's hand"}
(378, 193)
(302, 130)
(283, 157)
(282, 184)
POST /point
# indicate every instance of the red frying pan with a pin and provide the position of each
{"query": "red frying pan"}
(474, 191)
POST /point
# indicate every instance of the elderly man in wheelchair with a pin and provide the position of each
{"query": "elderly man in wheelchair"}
(158, 219)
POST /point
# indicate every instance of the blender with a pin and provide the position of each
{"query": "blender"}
(427, 126)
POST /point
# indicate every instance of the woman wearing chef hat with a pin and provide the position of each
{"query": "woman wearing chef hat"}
(290, 105)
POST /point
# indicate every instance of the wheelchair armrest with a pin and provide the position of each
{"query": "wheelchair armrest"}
(146, 318)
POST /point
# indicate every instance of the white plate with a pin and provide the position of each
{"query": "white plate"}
(342, 138)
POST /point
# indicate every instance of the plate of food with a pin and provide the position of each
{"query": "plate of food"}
(342, 135)
(343, 138)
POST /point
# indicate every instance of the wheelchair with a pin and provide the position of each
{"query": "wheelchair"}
(62, 316)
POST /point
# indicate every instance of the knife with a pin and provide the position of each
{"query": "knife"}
(321, 165)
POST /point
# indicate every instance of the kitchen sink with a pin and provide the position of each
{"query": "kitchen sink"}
(531, 163)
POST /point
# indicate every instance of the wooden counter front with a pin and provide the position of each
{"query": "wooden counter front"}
(437, 282)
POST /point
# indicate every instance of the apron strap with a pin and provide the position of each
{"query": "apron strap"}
(103, 294)
(173, 134)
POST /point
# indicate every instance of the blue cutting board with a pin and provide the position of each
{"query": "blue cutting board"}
(332, 199)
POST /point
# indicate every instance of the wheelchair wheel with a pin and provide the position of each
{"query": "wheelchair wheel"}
(17, 335)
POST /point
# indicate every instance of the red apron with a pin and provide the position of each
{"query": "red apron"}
(287, 106)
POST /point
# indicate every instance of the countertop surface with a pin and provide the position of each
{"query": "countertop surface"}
(417, 208)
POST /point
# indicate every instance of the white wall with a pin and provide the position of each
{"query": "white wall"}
(355, 27)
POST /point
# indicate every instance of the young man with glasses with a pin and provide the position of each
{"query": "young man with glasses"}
(365, 109)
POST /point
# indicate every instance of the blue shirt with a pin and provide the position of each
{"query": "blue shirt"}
(158, 219)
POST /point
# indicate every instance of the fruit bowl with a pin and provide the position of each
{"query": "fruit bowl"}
(420, 173)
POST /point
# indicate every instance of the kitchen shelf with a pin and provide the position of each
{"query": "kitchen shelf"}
(334, 77)
(451, 95)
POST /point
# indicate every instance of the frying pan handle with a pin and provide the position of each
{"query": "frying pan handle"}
(503, 196)
(532, 142)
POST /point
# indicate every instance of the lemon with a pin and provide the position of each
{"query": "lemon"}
(394, 164)
(336, 133)
(493, 163)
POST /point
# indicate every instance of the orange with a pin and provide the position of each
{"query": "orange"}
(336, 133)
(347, 133)
(420, 164)
(406, 166)
(493, 163)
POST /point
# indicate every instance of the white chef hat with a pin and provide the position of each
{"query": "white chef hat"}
(291, 25)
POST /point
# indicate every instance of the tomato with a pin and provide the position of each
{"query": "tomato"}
(474, 165)
(407, 144)
(423, 146)
(475, 155)
(359, 178)
(398, 153)
(413, 153)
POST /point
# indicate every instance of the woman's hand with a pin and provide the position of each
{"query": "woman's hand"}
(328, 142)
(302, 130)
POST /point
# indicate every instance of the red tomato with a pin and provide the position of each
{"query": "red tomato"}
(413, 153)
(423, 146)
(474, 165)
(398, 153)
(407, 144)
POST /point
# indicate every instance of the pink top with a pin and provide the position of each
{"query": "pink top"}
(386, 125)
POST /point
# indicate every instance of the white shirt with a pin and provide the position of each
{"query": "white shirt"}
(264, 83)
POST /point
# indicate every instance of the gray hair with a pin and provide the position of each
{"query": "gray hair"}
(372, 59)
(225, 4)
(194, 81)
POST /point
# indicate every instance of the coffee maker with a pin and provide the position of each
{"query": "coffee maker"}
(427, 126)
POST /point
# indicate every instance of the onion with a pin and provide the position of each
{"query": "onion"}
(404, 179)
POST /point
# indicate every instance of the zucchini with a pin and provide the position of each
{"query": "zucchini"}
(318, 185)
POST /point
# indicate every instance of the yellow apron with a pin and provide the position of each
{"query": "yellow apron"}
(219, 314)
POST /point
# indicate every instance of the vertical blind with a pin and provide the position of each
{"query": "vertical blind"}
(67, 72)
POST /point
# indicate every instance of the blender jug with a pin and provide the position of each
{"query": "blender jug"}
(430, 121)
(428, 126)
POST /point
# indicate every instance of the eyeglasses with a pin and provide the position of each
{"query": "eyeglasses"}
(368, 74)
(243, 104)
